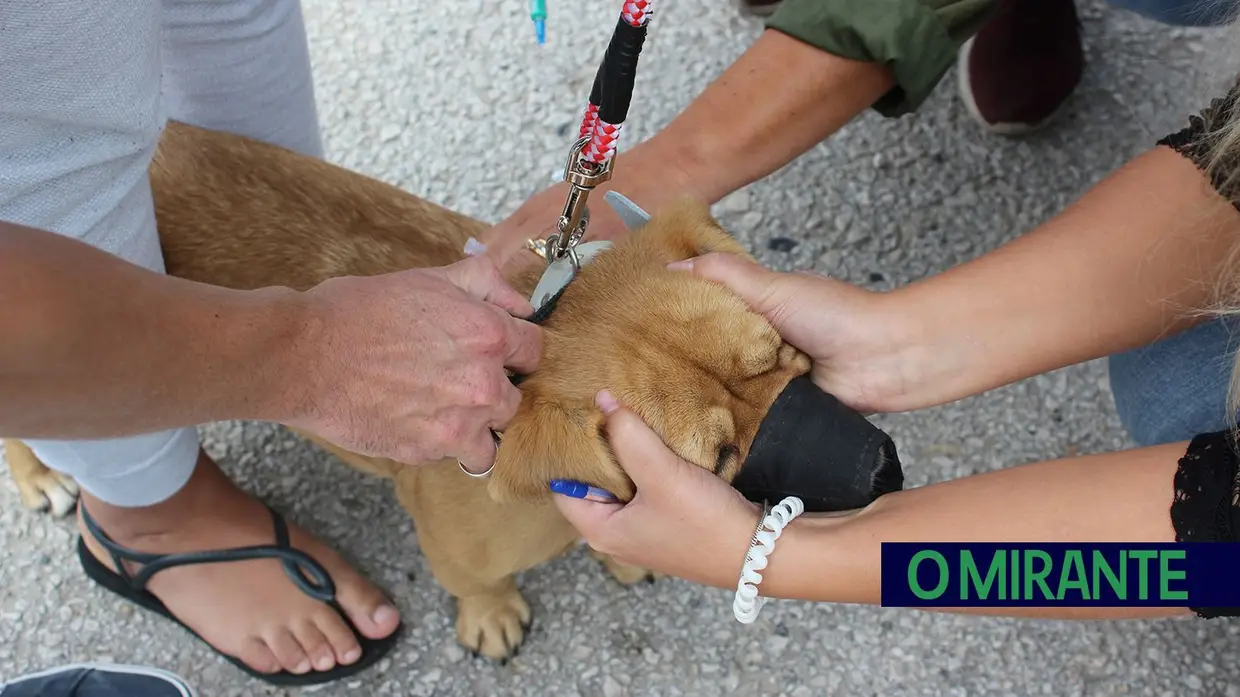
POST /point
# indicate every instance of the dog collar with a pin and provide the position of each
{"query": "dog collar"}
(561, 272)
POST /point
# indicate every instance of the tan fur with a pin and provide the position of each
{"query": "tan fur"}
(685, 353)
(39, 488)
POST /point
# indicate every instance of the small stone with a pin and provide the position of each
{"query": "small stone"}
(454, 653)
(1193, 682)
(752, 219)
(856, 236)
(802, 691)
(389, 132)
(831, 259)
(736, 202)
(776, 644)
(611, 688)
(843, 221)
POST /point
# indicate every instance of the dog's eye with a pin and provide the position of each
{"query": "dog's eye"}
(726, 453)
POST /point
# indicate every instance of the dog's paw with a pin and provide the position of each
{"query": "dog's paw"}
(626, 574)
(493, 625)
(48, 491)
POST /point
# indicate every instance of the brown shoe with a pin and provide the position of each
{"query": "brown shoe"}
(1022, 66)
(758, 8)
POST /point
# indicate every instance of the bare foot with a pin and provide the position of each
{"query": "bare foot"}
(247, 609)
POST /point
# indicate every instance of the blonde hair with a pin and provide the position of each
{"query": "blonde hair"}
(1222, 141)
(1215, 148)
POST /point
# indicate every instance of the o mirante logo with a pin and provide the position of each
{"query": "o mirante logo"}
(1200, 574)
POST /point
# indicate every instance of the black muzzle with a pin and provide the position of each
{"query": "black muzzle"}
(812, 446)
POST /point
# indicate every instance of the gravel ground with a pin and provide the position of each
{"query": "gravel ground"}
(884, 202)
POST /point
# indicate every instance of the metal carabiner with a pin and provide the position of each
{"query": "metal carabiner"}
(582, 177)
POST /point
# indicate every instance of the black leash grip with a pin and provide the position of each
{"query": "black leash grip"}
(619, 71)
(596, 90)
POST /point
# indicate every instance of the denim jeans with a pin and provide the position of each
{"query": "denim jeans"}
(1185, 13)
(1176, 388)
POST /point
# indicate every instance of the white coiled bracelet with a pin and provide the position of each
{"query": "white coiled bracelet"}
(748, 603)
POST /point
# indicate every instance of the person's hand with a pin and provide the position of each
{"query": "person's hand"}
(861, 347)
(684, 521)
(653, 173)
(410, 365)
(536, 219)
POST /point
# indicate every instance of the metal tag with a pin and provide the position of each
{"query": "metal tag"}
(561, 272)
(630, 213)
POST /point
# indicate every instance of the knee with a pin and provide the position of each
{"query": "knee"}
(1136, 406)
(1160, 400)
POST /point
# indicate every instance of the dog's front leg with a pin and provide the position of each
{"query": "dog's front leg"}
(475, 546)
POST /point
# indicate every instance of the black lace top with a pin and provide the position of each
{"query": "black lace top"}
(1206, 504)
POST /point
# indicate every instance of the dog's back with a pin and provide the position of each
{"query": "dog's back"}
(244, 214)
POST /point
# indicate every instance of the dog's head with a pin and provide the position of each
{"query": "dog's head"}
(685, 353)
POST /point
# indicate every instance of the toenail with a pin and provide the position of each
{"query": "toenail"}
(303, 666)
(384, 614)
(325, 663)
(352, 655)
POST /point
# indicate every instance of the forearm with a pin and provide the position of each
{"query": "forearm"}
(95, 347)
(778, 100)
(1137, 258)
(1114, 497)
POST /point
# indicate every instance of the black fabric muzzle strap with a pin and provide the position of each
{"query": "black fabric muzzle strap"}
(812, 446)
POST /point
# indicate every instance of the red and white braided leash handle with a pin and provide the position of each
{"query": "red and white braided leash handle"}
(604, 135)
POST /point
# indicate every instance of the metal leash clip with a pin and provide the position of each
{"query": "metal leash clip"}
(582, 176)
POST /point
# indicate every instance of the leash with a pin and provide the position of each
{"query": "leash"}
(590, 160)
(589, 164)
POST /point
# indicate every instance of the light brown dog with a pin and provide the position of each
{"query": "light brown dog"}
(686, 354)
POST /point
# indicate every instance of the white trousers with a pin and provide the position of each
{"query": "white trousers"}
(85, 90)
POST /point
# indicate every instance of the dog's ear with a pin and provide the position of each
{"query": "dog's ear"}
(688, 228)
(546, 440)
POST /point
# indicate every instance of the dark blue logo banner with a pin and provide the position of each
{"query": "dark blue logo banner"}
(1030, 574)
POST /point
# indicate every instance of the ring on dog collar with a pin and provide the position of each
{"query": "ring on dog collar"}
(495, 436)
(481, 475)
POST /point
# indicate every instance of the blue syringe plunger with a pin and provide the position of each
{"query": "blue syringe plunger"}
(540, 31)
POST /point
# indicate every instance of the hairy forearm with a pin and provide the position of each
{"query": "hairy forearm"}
(1114, 497)
(95, 347)
(778, 100)
(1138, 258)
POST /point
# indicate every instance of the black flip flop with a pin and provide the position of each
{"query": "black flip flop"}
(305, 572)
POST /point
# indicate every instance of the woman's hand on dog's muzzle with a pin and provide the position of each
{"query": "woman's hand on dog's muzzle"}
(684, 521)
(865, 345)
